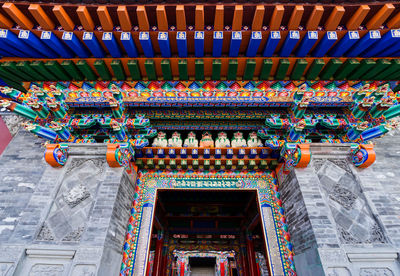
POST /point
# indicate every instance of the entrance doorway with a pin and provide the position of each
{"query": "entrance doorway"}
(206, 232)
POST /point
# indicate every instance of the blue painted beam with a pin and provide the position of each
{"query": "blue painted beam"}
(367, 40)
(307, 43)
(93, 44)
(163, 42)
(52, 41)
(325, 44)
(254, 44)
(111, 44)
(36, 44)
(17, 45)
(145, 41)
(290, 42)
(75, 44)
(218, 39)
(385, 43)
(236, 40)
(181, 43)
(129, 44)
(199, 44)
(272, 43)
(344, 44)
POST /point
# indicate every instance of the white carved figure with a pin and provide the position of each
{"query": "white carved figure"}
(175, 141)
(191, 141)
(160, 140)
(253, 141)
(222, 140)
(206, 140)
(238, 140)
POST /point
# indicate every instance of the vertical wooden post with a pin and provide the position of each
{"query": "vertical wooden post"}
(85, 18)
(64, 19)
(251, 255)
(124, 19)
(358, 17)
(18, 16)
(379, 18)
(162, 22)
(105, 19)
(237, 18)
(295, 18)
(180, 18)
(334, 18)
(142, 18)
(276, 19)
(41, 17)
(199, 18)
(315, 18)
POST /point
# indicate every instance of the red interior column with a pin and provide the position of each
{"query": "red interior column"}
(251, 256)
(157, 266)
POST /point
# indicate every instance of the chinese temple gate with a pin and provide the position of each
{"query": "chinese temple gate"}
(209, 138)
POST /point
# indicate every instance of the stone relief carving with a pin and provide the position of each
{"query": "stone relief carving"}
(5, 269)
(46, 270)
(77, 162)
(45, 234)
(338, 271)
(355, 222)
(13, 122)
(384, 271)
(76, 195)
(74, 235)
(84, 270)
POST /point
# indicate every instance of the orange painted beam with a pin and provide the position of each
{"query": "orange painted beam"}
(180, 18)
(315, 18)
(394, 23)
(124, 19)
(334, 18)
(276, 19)
(18, 16)
(258, 18)
(380, 17)
(41, 17)
(142, 18)
(219, 18)
(85, 18)
(64, 19)
(105, 19)
(199, 18)
(358, 17)
(162, 21)
(5, 22)
(237, 18)
(295, 18)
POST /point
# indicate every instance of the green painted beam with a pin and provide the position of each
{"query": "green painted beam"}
(70, 67)
(365, 66)
(54, 67)
(281, 71)
(346, 69)
(266, 69)
(299, 69)
(102, 70)
(216, 69)
(232, 69)
(183, 71)
(38, 65)
(150, 69)
(390, 72)
(8, 75)
(199, 69)
(330, 69)
(381, 65)
(134, 70)
(118, 69)
(11, 67)
(166, 69)
(314, 69)
(86, 70)
(249, 69)
(24, 66)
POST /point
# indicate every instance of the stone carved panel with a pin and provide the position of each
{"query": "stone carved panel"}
(84, 270)
(6, 269)
(76, 195)
(45, 234)
(354, 220)
(46, 270)
(338, 271)
(384, 271)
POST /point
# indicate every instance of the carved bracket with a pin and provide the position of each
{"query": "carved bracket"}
(295, 155)
(119, 155)
(363, 155)
(56, 154)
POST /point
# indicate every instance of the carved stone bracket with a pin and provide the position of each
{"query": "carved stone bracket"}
(295, 155)
(363, 156)
(119, 155)
(56, 154)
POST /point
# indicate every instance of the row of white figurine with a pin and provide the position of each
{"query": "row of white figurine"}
(207, 141)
